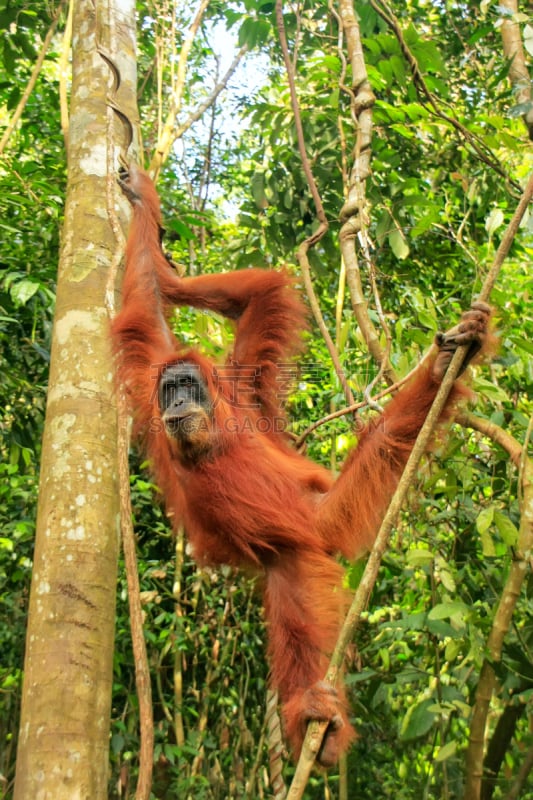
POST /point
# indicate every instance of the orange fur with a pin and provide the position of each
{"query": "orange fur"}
(253, 501)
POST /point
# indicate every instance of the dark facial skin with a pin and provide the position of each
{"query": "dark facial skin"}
(182, 391)
(186, 409)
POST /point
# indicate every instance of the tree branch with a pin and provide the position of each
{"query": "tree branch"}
(491, 431)
(202, 108)
(354, 213)
(500, 626)
(168, 137)
(303, 249)
(521, 778)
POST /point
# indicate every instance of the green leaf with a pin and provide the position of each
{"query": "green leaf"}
(452, 650)
(446, 752)
(398, 68)
(258, 189)
(403, 130)
(487, 545)
(490, 390)
(247, 32)
(523, 344)
(9, 57)
(447, 580)
(117, 742)
(333, 99)
(22, 291)
(399, 246)
(418, 720)
(428, 55)
(419, 558)
(6, 544)
(385, 68)
(485, 519)
(427, 319)
(383, 226)
(424, 223)
(254, 32)
(181, 229)
(344, 332)
(456, 611)
(506, 528)
(14, 98)
(494, 221)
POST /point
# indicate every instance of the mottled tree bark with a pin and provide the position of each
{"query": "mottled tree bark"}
(64, 733)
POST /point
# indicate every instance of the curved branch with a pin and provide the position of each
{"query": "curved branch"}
(202, 108)
(354, 213)
(521, 778)
(500, 626)
(352, 409)
(170, 131)
(323, 226)
(493, 432)
(167, 136)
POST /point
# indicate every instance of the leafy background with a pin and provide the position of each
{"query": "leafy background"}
(234, 195)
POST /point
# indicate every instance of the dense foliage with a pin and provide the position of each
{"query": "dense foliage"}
(449, 155)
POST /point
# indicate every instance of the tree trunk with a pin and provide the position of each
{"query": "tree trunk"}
(64, 731)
